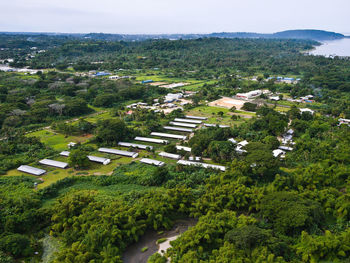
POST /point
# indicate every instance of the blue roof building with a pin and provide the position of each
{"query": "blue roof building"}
(147, 81)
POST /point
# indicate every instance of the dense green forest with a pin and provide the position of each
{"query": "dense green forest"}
(261, 209)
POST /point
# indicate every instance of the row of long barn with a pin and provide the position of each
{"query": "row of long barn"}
(189, 122)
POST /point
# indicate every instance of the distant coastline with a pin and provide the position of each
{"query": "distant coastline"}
(332, 48)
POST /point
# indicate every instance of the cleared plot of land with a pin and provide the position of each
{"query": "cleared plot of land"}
(228, 103)
(213, 117)
(56, 140)
(158, 83)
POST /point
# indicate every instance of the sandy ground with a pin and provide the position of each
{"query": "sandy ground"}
(157, 83)
(228, 103)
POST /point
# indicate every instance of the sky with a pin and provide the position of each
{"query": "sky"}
(173, 16)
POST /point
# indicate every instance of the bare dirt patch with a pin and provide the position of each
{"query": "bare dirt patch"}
(228, 103)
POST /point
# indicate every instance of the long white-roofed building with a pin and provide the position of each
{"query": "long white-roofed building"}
(135, 145)
(170, 155)
(196, 117)
(187, 120)
(169, 135)
(186, 149)
(214, 125)
(204, 165)
(31, 170)
(177, 129)
(65, 153)
(97, 159)
(152, 162)
(188, 125)
(118, 152)
(54, 163)
(152, 140)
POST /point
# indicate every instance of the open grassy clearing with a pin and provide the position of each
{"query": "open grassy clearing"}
(212, 114)
(56, 140)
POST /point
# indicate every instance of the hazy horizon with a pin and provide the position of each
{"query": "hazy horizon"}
(172, 17)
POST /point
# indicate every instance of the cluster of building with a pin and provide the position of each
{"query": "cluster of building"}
(304, 99)
(286, 80)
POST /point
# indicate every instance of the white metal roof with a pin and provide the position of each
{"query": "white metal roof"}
(118, 152)
(186, 149)
(65, 153)
(135, 145)
(204, 165)
(177, 129)
(144, 139)
(54, 163)
(189, 125)
(187, 120)
(152, 162)
(170, 155)
(285, 148)
(195, 117)
(306, 110)
(97, 159)
(31, 170)
(232, 140)
(278, 152)
(214, 125)
(243, 143)
(168, 135)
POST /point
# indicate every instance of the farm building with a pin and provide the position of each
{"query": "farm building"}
(71, 144)
(135, 145)
(186, 149)
(177, 129)
(54, 163)
(188, 125)
(102, 160)
(152, 162)
(195, 117)
(147, 81)
(249, 95)
(214, 125)
(145, 139)
(118, 152)
(168, 135)
(170, 155)
(279, 153)
(31, 170)
(302, 110)
(170, 97)
(243, 143)
(232, 140)
(204, 165)
(187, 120)
(285, 148)
(65, 153)
(344, 121)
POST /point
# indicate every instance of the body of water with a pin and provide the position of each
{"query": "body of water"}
(333, 48)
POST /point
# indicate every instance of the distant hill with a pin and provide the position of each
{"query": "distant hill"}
(309, 34)
(312, 34)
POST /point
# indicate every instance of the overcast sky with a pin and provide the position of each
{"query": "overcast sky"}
(173, 16)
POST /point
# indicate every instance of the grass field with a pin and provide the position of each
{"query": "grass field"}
(212, 114)
(56, 140)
